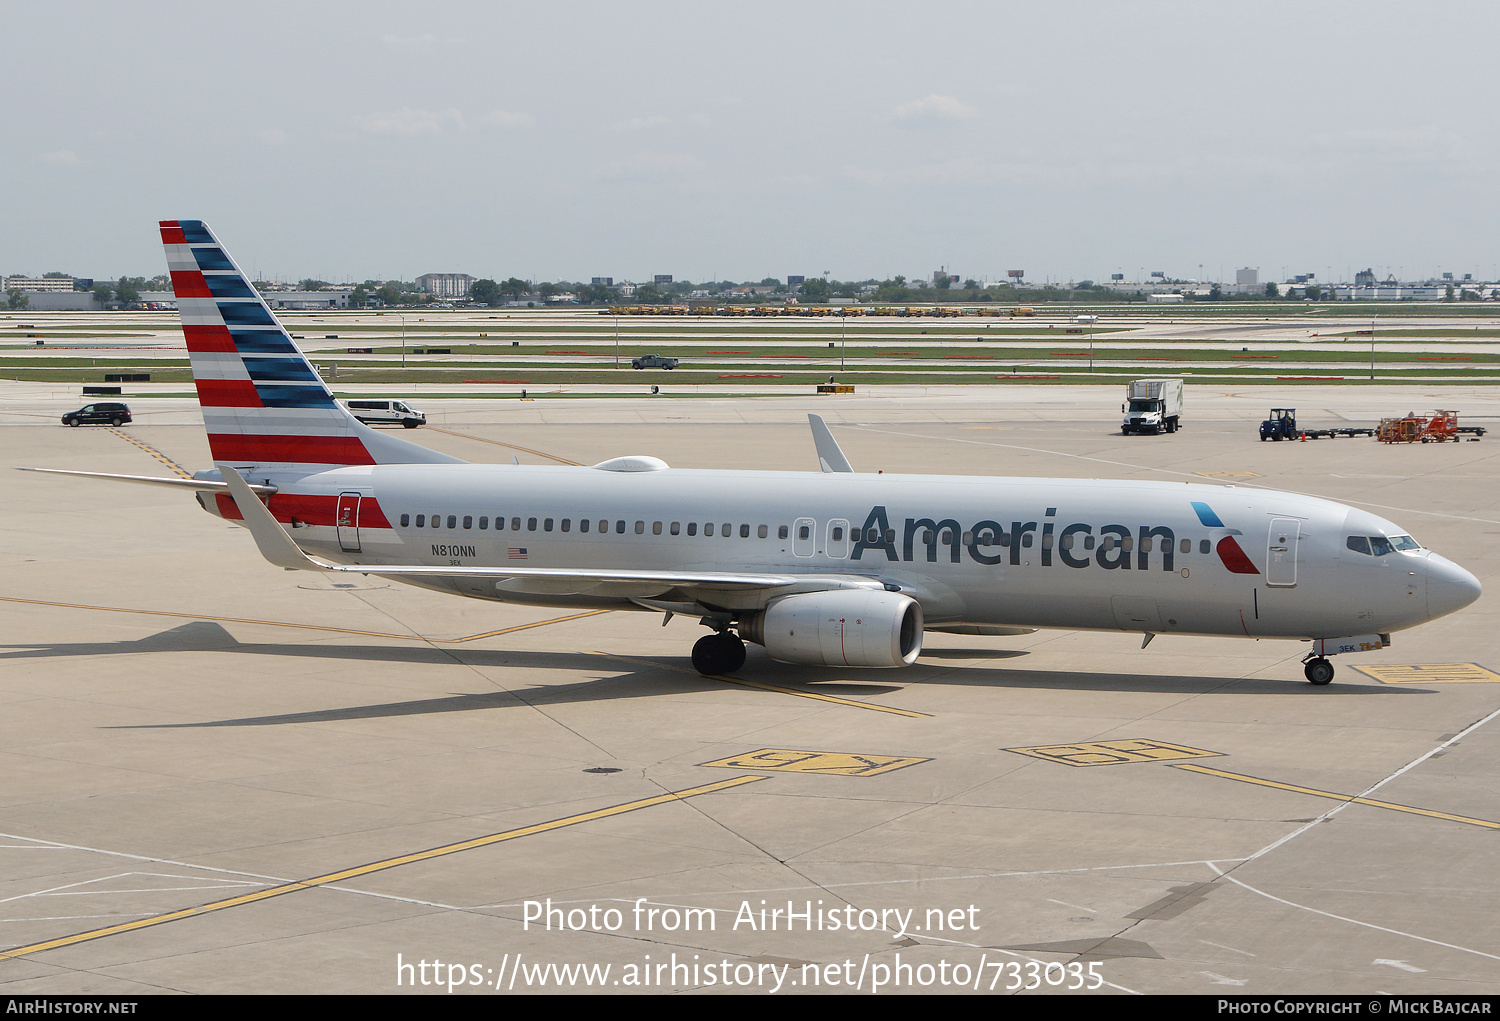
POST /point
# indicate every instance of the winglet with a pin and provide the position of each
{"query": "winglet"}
(275, 545)
(830, 457)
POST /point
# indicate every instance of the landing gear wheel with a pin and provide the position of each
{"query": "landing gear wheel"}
(722, 653)
(1318, 671)
(736, 650)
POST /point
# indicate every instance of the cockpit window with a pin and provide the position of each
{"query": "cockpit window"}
(1380, 545)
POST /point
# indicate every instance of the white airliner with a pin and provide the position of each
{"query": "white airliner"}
(833, 567)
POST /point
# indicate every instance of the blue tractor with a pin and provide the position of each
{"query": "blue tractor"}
(1282, 425)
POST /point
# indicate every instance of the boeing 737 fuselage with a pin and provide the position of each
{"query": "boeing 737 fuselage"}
(865, 552)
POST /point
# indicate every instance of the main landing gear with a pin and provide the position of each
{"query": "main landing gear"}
(720, 653)
(1316, 669)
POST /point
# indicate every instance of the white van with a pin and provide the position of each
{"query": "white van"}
(386, 413)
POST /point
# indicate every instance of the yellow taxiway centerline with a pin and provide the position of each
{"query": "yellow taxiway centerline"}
(389, 863)
(163, 458)
(1338, 797)
(771, 687)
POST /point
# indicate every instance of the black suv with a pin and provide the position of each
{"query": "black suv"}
(98, 414)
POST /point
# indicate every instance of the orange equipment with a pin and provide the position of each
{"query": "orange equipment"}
(1414, 428)
(1443, 425)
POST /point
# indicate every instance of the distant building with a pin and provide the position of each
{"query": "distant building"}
(604, 281)
(1247, 277)
(309, 300)
(1164, 299)
(1154, 287)
(1364, 278)
(662, 280)
(446, 285)
(39, 283)
(1390, 291)
(795, 281)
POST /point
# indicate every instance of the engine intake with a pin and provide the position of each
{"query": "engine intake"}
(850, 627)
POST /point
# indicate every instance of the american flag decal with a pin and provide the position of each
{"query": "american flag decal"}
(517, 553)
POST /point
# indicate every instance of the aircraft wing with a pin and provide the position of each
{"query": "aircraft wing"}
(277, 547)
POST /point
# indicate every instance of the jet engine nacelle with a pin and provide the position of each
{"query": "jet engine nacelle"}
(850, 627)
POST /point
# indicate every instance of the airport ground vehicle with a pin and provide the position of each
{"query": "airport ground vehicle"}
(103, 413)
(1152, 406)
(836, 568)
(1282, 425)
(653, 362)
(1022, 310)
(377, 412)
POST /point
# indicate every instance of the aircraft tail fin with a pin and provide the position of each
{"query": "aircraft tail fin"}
(264, 405)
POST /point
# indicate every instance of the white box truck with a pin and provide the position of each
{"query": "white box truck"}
(1153, 406)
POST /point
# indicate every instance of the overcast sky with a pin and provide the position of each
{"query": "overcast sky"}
(714, 140)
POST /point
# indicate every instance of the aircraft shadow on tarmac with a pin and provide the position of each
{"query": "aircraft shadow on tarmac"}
(629, 678)
(930, 653)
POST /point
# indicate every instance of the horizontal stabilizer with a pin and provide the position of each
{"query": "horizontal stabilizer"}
(275, 545)
(203, 485)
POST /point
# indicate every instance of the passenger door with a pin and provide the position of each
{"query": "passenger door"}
(347, 521)
(1281, 552)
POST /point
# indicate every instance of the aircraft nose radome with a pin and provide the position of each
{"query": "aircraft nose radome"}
(1449, 587)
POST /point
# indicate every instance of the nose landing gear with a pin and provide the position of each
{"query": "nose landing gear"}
(1316, 669)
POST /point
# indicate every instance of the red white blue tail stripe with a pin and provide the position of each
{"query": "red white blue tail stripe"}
(263, 403)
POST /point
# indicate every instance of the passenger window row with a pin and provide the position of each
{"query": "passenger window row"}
(585, 525)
